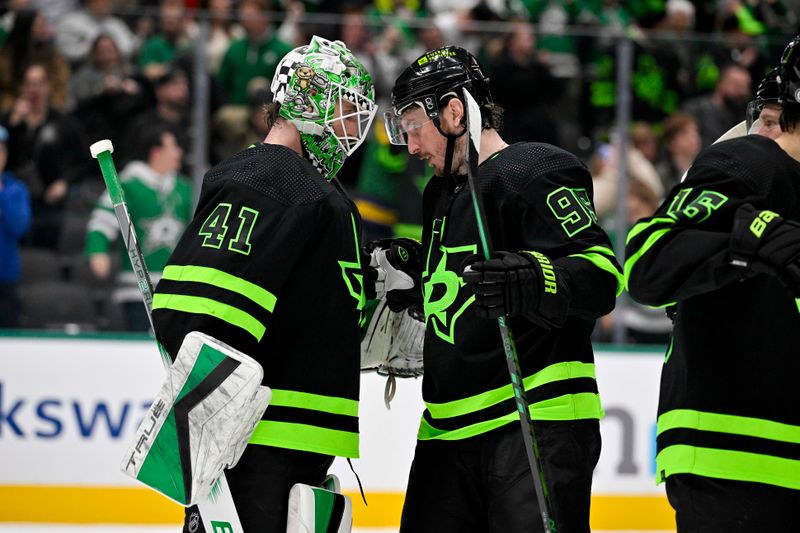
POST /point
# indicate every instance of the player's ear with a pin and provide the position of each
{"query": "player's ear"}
(454, 114)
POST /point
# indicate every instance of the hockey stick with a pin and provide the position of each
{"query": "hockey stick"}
(473, 123)
(218, 512)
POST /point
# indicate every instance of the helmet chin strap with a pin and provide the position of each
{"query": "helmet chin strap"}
(451, 145)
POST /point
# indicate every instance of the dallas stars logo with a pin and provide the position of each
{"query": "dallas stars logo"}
(161, 232)
(352, 274)
(444, 285)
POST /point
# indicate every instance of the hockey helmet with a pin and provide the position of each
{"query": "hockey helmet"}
(429, 79)
(308, 83)
(789, 74)
(768, 92)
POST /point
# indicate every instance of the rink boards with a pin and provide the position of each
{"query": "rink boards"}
(69, 406)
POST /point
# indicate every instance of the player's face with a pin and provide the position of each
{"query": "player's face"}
(427, 143)
(346, 124)
(770, 121)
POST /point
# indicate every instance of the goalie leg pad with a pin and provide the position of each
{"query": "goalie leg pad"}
(200, 420)
(313, 509)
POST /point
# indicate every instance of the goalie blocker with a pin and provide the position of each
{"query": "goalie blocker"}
(200, 421)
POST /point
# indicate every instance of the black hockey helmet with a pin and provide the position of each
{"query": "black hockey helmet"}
(429, 79)
(789, 74)
(768, 92)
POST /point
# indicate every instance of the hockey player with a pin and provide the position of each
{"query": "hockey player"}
(470, 472)
(725, 247)
(764, 113)
(270, 265)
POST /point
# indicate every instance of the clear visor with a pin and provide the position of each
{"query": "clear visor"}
(355, 120)
(407, 120)
(753, 111)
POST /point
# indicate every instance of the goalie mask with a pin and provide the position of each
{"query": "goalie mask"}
(308, 83)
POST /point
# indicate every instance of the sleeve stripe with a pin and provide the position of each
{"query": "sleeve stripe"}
(223, 280)
(597, 256)
(105, 222)
(642, 226)
(631, 261)
(206, 306)
(602, 250)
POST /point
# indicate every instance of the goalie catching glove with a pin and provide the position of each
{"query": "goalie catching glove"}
(200, 421)
(764, 242)
(519, 284)
(393, 342)
(395, 269)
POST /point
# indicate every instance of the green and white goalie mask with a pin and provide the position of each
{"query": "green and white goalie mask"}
(329, 96)
(200, 421)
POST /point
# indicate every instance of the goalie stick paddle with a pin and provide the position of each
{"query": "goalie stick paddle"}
(218, 512)
(473, 123)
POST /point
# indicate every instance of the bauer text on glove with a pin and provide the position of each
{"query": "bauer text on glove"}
(764, 242)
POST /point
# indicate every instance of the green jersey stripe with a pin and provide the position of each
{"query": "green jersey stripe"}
(207, 306)
(728, 464)
(642, 226)
(579, 406)
(221, 279)
(555, 372)
(649, 243)
(720, 423)
(316, 402)
(306, 438)
(598, 257)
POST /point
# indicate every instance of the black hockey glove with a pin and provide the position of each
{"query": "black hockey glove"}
(519, 284)
(395, 270)
(766, 243)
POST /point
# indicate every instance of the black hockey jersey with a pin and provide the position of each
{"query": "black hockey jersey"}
(270, 265)
(729, 396)
(537, 198)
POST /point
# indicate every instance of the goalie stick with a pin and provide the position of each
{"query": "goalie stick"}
(218, 512)
(473, 123)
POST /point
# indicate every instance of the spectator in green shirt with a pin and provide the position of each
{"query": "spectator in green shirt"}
(163, 48)
(255, 55)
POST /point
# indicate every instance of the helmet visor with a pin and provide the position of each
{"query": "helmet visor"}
(404, 122)
(753, 111)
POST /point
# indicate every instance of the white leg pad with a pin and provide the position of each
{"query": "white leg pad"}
(313, 509)
(200, 421)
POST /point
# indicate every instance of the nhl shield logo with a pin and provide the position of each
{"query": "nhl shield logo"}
(194, 522)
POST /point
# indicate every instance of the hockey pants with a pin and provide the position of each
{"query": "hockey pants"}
(709, 505)
(484, 484)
